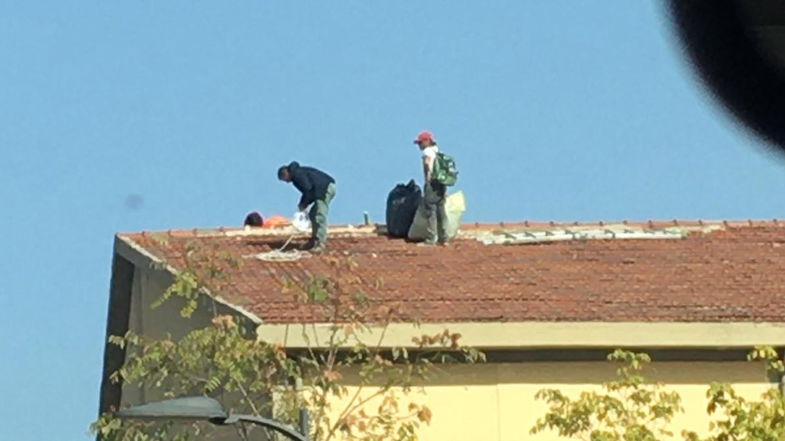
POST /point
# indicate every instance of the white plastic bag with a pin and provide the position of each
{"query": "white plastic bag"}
(455, 206)
(300, 222)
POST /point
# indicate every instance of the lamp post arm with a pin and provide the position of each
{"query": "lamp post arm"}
(275, 425)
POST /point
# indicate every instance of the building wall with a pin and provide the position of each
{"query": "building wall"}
(164, 320)
(495, 401)
(491, 401)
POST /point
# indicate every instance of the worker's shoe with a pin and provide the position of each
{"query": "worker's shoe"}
(314, 247)
(319, 248)
(427, 243)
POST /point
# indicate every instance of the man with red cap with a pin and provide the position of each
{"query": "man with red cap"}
(435, 193)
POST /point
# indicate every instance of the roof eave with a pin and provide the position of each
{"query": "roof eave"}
(550, 335)
(141, 258)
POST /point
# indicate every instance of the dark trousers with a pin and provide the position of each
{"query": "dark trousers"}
(434, 204)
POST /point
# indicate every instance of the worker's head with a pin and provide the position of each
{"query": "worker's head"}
(254, 219)
(284, 174)
(425, 139)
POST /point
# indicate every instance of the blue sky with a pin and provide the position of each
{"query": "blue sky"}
(124, 116)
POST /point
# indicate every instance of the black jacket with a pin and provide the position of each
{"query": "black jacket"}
(311, 182)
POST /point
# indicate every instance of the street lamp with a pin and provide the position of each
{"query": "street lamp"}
(202, 409)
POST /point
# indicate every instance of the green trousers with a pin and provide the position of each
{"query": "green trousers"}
(434, 199)
(318, 216)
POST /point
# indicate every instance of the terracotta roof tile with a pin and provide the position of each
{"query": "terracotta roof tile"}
(735, 274)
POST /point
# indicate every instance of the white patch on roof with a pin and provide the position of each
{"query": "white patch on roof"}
(280, 256)
(615, 232)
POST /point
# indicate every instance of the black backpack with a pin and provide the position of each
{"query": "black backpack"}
(402, 203)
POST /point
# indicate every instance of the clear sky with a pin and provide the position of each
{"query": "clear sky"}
(148, 114)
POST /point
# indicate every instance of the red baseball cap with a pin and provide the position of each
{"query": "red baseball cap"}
(424, 136)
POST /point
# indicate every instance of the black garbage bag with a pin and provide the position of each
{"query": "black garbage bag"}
(402, 203)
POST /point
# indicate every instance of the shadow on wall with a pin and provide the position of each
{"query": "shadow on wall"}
(592, 372)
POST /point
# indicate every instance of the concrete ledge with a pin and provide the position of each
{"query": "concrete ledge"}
(534, 335)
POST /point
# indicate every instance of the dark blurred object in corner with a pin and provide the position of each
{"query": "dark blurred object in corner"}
(738, 48)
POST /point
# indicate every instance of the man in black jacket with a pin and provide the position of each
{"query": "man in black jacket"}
(318, 190)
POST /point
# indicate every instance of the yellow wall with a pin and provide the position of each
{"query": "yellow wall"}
(496, 401)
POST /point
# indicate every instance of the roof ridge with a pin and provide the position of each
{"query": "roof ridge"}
(382, 228)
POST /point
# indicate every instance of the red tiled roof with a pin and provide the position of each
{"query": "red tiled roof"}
(734, 274)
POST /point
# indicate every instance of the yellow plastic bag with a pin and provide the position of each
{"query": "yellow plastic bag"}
(455, 205)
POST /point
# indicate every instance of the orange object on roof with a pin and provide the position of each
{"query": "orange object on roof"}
(276, 221)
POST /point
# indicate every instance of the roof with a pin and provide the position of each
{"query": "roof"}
(719, 272)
